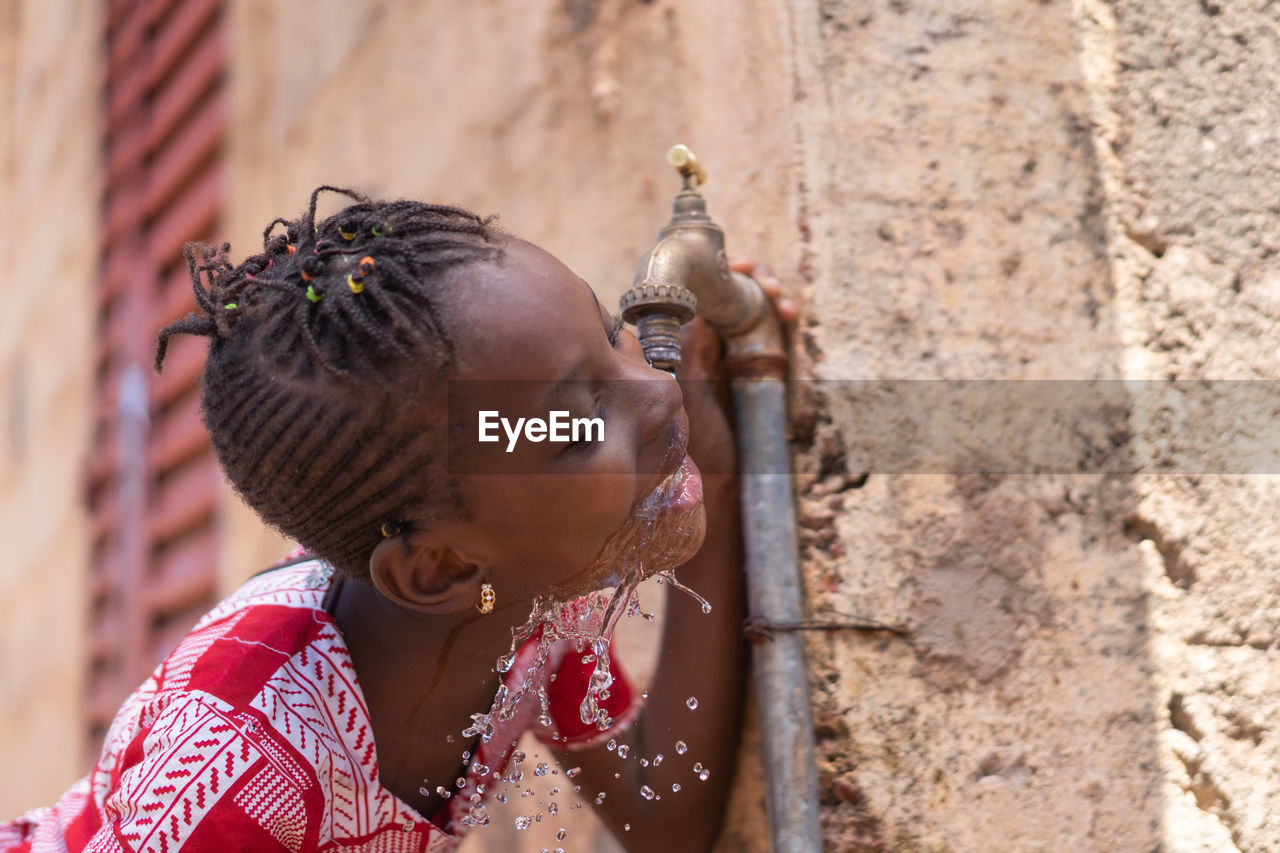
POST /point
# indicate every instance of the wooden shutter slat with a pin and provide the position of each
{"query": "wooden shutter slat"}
(177, 33)
(127, 40)
(178, 437)
(183, 367)
(193, 214)
(184, 500)
(183, 579)
(197, 74)
(198, 138)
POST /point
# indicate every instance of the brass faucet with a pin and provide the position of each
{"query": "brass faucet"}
(687, 272)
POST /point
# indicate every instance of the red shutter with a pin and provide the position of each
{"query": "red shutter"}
(152, 480)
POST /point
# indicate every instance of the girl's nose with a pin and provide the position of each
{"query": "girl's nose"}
(663, 400)
(656, 391)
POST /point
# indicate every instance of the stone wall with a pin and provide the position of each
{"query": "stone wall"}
(1033, 195)
(48, 254)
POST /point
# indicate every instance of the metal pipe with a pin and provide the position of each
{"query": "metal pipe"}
(773, 595)
(688, 267)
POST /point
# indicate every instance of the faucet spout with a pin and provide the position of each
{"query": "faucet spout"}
(688, 268)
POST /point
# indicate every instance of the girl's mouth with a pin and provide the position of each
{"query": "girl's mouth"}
(680, 490)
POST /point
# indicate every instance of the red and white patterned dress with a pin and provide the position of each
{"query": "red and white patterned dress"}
(254, 735)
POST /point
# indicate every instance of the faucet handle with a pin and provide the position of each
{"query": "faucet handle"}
(687, 164)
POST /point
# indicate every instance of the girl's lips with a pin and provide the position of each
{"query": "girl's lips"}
(683, 489)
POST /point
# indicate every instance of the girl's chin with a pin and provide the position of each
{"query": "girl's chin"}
(664, 532)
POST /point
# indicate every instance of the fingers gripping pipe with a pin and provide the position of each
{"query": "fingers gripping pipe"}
(687, 271)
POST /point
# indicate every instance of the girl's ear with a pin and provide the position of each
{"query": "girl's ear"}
(421, 571)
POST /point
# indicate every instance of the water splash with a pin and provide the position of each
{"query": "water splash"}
(664, 531)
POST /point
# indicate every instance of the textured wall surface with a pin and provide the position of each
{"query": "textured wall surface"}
(48, 252)
(1030, 194)
(1185, 105)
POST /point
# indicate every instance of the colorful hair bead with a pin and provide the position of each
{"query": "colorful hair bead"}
(230, 306)
(366, 265)
(355, 283)
(313, 294)
(306, 276)
(346, 235)
(290, 249)
(379, 230)
(389, 529)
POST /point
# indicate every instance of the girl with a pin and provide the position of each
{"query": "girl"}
(331, 703)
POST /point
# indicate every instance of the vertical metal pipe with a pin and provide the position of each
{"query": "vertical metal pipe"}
(773, 593)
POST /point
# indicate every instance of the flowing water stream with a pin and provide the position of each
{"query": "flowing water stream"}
(665, 530)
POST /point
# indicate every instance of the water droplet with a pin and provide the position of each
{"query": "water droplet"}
(517, 757)
(617, 775)
(502, 798)
(424, 791)
(626, 827)
(442, 791)
(460, 782)
(482, 769)
(554, 791)
(524, 822)
(692, 702)
(657, 759)
(702, 777)
(449, 739)
(553, 676)
(612, 744)
(588, 658)
(408, 825)
(681, 747)
(553, 808)
(697, 768)
(675, 787)
(560, 834)
(537, 818)
(480, 789)
(466, 754)
(573, 772)
(541, 769)
(646, 792)
(623, 751)
(644, 762)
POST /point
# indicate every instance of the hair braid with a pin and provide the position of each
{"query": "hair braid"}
(298, 385)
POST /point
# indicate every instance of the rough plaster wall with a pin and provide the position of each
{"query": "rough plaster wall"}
(956, 211)
(48, 222)
(1185, 101)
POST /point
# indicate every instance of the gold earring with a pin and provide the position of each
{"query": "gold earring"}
(487, 598)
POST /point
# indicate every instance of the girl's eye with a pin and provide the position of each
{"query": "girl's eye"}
(587, 437)
(617, 330)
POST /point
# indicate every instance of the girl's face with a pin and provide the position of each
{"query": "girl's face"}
(563, 516)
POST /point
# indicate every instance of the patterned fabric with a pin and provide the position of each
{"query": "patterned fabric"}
(254, 735)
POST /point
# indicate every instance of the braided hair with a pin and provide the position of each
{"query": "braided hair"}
(308, 341)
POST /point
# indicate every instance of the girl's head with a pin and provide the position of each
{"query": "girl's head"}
(337, 355)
